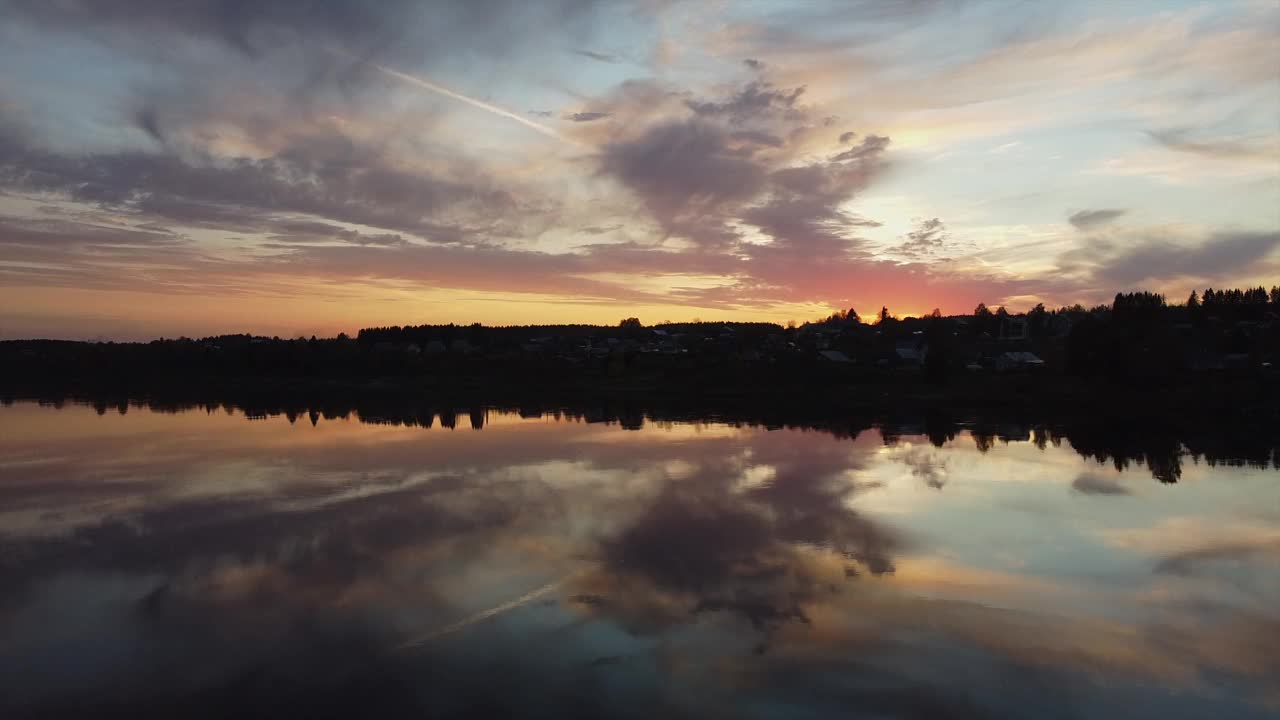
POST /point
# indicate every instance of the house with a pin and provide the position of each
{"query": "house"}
(911, 353)
(823, 336)
(1235, 361)
(835, 356)
(1060, 325)
(1014, 328)
(1018, 360)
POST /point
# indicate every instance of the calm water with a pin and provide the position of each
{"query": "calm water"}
(202, 564)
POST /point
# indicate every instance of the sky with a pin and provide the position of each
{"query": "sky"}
(298, 167)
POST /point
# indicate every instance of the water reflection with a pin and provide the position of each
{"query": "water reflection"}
(200, 565)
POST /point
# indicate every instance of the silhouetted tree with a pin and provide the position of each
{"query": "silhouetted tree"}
(984, 440)
(631, 327)
(938, 353)
(1036, 319)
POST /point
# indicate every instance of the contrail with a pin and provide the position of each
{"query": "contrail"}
(453, 94)
(483, 615)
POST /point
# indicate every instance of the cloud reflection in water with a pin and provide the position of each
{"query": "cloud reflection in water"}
(201, 565)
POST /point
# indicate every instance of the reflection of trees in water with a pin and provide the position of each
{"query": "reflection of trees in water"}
(1161, 446)
(700, 549)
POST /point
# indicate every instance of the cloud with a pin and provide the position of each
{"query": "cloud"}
(67, 253)
(309, 577)
(927, 466)
(1090, 219)
(599, 56)
(1089, 484)
(687, 175)
(247, 27)
(703, 170)
(328, 177)
(760, 554)
(1180, 140)
(1147, 259)
(738, 162)
(927, 237)
(588, 116)
(751, 101)
(598, 229)
(268, 116)
(744, 139)
(55, 233)
(1203, 559)
(871, 145)
(396, 28)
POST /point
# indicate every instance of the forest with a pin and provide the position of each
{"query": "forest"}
(1140, 340)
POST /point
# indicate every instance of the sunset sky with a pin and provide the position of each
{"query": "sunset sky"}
(300, 167)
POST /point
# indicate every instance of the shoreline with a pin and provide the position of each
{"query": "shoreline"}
(1235, 394)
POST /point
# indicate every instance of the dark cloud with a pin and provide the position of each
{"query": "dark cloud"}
(687, 175)
(846, 137)
(738, 162)
(331, 178)
(588, 116)
(246, 26)
(79, 254)
(542, 113)
(64, 251)
(149, 122)
(749, 102)
(1181, 139)
(599, 229)
(754, 64)
(803, 212)
(602, 57)
(322, 232)
(1218, 256)
(756, 137)
(871, 145)
(1090, 219)
(1089, 484)
(397, 27)
(59, 232)
(927, 237)
(284, 79)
